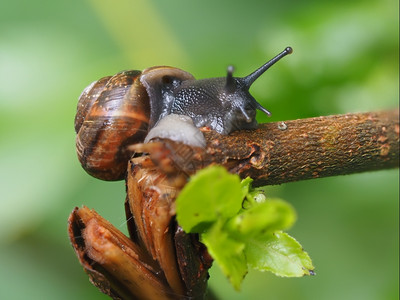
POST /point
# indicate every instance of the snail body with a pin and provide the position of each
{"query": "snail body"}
(117, 111)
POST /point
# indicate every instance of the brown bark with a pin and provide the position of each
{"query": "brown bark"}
(312, 148)
(296, 150)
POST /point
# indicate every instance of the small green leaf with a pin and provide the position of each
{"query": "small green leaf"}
(246, 186)
(279, 253)
(262, 218)
(227, 252)
(211, 194)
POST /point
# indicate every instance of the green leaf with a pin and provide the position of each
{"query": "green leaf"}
(262, 218)
(211, 194)
(227, 252)
(246, 186)
(279, 253)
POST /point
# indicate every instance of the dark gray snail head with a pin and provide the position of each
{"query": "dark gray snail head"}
(223, 104)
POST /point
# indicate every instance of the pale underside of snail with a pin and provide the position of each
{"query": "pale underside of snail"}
(133, 107)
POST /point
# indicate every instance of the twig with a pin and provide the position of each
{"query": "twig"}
(309, 148)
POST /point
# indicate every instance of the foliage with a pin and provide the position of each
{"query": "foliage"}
(240, 227)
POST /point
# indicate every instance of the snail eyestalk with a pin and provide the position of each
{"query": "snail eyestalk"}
(260, 107)
(249, 79)
(246, 116)
(230, 82)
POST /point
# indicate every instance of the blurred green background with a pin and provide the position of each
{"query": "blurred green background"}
(345, 60)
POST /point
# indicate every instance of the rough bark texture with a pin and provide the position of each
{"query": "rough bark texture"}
(311, 148)
(296, 150)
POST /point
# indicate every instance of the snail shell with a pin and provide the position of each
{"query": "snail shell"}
(115, 112)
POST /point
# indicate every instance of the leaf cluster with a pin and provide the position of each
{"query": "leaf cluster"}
(240, 226)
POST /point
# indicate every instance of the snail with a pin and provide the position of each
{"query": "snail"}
(117, 111)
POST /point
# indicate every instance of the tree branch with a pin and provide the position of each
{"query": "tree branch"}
(287, 151)
(309, 148)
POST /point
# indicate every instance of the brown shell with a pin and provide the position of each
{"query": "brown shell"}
(117, 111)
(112, 113)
